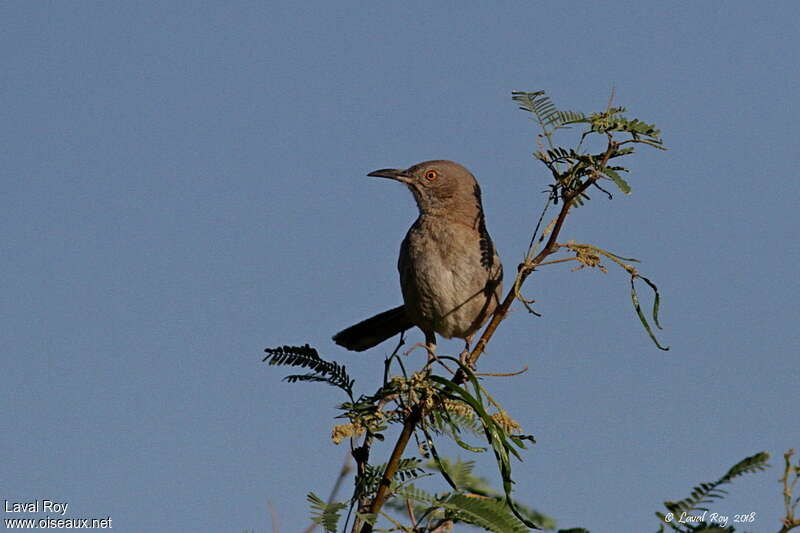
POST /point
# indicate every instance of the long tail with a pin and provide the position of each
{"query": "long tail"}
(375, 330)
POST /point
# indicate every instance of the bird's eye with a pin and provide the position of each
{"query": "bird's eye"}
(431, 175)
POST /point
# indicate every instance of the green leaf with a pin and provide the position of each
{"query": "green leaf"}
(305, 356)
(412, 492)
(572, 117)
(407, 468)
(537, 103)
(461, 472)
(495, 434)
(446, 422)
(621, 184)
(325, 514)
(640, 314)
(487, 513)
(436, 458)
(656, 301)
(748, 465)
(708, 492)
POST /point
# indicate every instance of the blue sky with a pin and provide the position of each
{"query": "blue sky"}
(184, 184)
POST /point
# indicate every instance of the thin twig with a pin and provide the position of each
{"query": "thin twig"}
(361, 456)
(274, 517)
(397, 524)
(411, 517)
(556, 261)
(523, 271)
(502, 374)
(450, 370)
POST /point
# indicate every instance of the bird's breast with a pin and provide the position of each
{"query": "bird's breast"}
(446, 284)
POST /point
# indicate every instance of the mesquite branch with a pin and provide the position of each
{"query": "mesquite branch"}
(523, 271)
(526, 268)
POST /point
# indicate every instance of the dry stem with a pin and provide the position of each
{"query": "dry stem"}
(789, 521)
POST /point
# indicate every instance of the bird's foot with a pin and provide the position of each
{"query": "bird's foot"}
(431, 351)
(466, 361)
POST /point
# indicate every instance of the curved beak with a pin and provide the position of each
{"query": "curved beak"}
(392, 173)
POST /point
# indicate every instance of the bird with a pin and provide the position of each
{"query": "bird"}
(451, 276)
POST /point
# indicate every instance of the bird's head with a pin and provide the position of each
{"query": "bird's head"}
(440, 187)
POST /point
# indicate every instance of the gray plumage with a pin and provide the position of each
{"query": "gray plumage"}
(450, 273)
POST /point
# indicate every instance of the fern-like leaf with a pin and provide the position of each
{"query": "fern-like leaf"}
(407, 469)
(749, 465)
(415, 494)
(611, 121)
(461, 473)
(451, 423)
(487, 513)
(305, 356)
(423, 503)
(572, 117)
(445, 421)
(707, 492)
(503, 444)
(621, 184)
(541, 106)
(325, 514)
